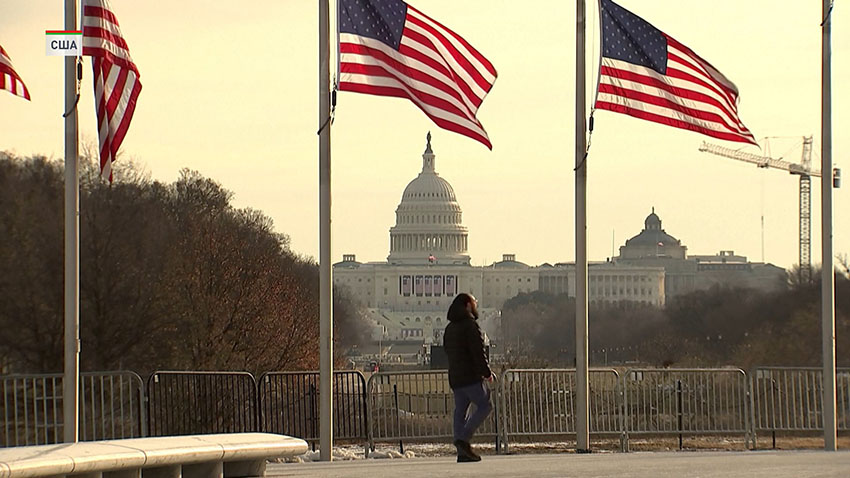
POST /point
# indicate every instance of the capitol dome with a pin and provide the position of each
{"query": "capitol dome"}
(428, 227)
(429, 187)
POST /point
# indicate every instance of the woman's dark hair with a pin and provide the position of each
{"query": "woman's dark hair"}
(458, 307)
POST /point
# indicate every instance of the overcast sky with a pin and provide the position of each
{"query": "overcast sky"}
(230, 90)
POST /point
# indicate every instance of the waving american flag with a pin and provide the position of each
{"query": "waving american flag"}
(389, 48)
(9, 79)
(116, 79)
(647, 74)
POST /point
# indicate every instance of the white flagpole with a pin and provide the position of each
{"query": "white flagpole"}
(325, 272)
(70, 381)
(582, 433)
(827, 274)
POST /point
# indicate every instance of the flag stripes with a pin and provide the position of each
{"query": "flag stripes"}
(685, 91)
(9, 79)
(116, 79)
(431, 65)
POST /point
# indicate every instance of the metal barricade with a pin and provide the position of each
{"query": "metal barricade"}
(541, 403)
(685, 402)
(111, 407)
(289, 405)
(790, 399)
(189, 403)
(417, 406)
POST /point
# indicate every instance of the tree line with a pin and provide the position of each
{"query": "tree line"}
(714, 327)
(172, 276)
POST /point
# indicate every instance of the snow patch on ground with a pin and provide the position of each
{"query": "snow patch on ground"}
(353, 452)
(379, 454)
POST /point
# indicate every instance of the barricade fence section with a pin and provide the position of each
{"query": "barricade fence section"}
(192, 403)
(405, 406)
(418, 406)
(289, 405)
(111, 407)
(685, 402)
(790, 399)
(541, 403)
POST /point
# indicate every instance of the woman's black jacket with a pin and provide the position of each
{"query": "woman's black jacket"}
(464, 345)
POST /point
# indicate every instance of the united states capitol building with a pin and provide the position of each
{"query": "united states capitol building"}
(407, 296)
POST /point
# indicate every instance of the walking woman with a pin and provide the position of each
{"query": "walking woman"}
(469, 373)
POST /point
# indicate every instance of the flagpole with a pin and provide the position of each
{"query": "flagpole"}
(827, 274)
(70, 381)
(582, 434)
(325, 272)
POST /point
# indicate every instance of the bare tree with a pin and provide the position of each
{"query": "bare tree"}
(31, 263)
(172, 276)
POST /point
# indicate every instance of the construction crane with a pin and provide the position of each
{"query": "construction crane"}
(805, 171)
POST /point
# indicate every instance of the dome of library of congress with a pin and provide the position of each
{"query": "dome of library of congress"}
(428, 228)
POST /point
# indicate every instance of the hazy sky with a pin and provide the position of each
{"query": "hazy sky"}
(230, 90)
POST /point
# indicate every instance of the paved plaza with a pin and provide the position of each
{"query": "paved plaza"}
(750, 464)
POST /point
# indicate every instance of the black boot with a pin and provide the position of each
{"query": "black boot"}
(465, 453)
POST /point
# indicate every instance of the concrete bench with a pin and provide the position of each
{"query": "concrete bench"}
(196, 456)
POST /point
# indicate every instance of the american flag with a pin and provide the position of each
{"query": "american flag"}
(647, 74)
(389, 48)
(9, 79)
(116, 79)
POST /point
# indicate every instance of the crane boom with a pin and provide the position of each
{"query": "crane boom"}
(760, 161)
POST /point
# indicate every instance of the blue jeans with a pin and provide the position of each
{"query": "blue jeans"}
(466, 424)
